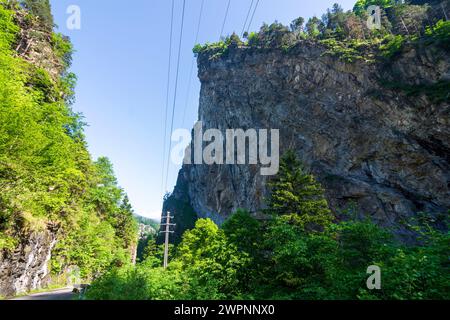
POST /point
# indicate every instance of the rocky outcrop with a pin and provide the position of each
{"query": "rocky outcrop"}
(377, 149)
(26, 268)
(35, 45)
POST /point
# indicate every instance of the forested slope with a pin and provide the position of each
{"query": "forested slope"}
(61, 212)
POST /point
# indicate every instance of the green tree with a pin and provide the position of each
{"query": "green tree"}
(313, 27)
(409, 19)
(41, 9)
(234, 40)
(361, 5)
(210, 261)
(334, 21)
(275, 35)
(243, 231)
(143, 282)
(297, 195)
(297, 25)
(105, 194)
(47, 177)
(246, 234)
(440, 33)
(299, 265)
(125, 223)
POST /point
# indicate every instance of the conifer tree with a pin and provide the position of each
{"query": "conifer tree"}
(297, 195)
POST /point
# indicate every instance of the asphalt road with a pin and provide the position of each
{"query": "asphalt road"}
(63, 294)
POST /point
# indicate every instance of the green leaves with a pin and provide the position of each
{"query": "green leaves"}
(440, 33)
(46, 172)
(210, 259)
(63, 48)
(204, 267)
(392, 46)
(361, 5)
(9, 29)
(285, 262)
(140, 283)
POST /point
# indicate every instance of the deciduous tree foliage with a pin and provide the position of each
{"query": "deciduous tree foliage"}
(212, 267)
(280, 259)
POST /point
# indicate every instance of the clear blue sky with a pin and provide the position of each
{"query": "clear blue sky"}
(121, 62)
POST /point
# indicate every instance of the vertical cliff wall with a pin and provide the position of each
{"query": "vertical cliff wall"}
(26, 267)
(378, 149)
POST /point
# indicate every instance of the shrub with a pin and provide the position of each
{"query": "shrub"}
(350, 51)
(140, 283)
(216, 49)
(392, 46)
(440, 33)
(288, 263)
(253, 40)
(210, 260)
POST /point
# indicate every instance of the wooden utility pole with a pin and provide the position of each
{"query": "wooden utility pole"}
(167, 233)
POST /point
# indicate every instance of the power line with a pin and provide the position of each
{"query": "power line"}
(248, 16)
(193, 61)
(225, 19)
(253, 15)
(176, 88)
(167, 94)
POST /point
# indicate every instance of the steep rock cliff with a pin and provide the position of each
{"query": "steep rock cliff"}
(378, 149)
(26, 267)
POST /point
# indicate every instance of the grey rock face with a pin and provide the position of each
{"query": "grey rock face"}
(26, 268)
(378, 149)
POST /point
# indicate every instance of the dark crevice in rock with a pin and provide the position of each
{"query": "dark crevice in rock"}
(435, 147)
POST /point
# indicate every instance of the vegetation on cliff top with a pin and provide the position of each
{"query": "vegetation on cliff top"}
(47, 177)
(346, 36)
(345, 31)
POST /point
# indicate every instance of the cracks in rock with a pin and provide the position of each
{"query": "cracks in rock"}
(434, 147)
